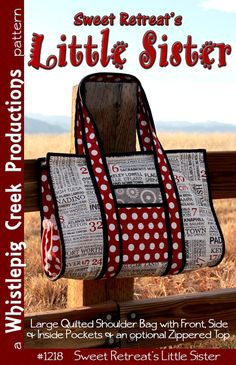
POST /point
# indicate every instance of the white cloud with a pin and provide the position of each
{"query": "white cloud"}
(228, 6)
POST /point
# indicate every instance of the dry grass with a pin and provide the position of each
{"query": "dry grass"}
(39, 145)
(40, 294)
(209, 141)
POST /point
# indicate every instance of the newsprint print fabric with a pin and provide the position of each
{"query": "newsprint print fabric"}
(146, 213)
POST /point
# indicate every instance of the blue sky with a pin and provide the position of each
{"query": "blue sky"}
(175, 94)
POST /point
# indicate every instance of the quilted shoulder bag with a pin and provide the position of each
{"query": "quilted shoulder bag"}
(146, 213)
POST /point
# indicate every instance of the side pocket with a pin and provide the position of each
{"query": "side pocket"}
(51, 247)
(51, 250)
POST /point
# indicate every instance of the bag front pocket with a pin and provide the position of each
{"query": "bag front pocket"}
(144, 241)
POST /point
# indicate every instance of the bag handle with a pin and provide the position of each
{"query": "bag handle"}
(88, 142)
(142, 127)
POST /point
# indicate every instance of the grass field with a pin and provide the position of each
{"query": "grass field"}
(40, 294)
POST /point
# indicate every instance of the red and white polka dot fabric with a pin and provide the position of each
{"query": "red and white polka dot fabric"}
(101, 179)
(144, 236)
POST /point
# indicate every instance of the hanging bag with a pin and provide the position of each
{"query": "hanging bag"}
(146, 213)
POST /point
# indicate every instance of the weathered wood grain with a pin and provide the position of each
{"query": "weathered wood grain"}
(197, 307)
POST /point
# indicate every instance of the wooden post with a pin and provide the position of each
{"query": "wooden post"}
(114, 108)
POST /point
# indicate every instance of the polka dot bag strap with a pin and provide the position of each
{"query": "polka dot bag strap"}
(88, 141)
(149, 142)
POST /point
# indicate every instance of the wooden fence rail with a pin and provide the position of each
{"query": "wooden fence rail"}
(218, 305)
